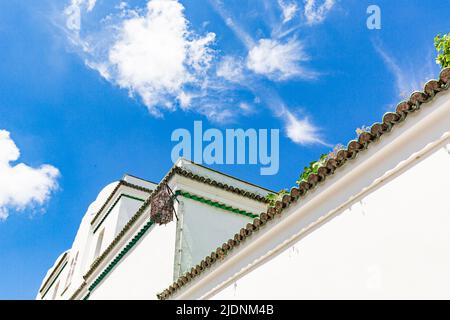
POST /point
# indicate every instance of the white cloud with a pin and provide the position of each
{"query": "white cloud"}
(315, 13)
(152, 53)
(231, 68)
(302, 131)
(278, 61)
(22, 186)
(246, 108)
(289, 9)
(299, 130)
(185, 100)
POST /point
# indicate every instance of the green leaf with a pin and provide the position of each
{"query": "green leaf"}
(273, 198)
(442, 45)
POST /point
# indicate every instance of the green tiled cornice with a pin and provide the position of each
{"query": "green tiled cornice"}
(215, 204)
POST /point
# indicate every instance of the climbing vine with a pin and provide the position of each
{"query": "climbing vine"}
(273, 198)
(442, 44)
(313, 168)
(307, 171)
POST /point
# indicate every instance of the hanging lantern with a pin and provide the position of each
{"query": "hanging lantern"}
(162, 206)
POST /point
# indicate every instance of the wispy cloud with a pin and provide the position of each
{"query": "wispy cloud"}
(276, 59)
(407, 78)
(315, 11)
(22, 186)
(288, 9)
(156, 55)
(231, 68)
(279, 61)
(300, 130)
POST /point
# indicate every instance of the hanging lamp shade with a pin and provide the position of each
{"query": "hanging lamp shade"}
(162, 210)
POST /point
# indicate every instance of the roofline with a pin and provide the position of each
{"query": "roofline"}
(113, 193)
(390, 119)
(190, 175)
(227, 175)
(61, 260)
(133, 176)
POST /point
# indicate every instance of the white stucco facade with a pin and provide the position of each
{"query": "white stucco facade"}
(376, 228)
(118, 253)
(392, 244)
(147, 267)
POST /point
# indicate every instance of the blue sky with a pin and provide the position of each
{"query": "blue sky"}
(86, 95)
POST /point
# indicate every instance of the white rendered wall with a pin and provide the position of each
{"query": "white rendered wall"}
(145, 270)
(124, 209)
(395, 243)
(108, 227)
(81, 245)
(204, 229)
(128, 207)
(86, 241)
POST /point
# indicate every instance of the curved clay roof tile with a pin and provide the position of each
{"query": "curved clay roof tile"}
(354, 146)
(341, 156)
(323, 172)
(404, 108)
(313, 179)
(391, 118)
(332, 164)
(257, 223)
(432, 87)
(419, 97)
(264, 217)
(445, 76)
(295, 192)
(364, 138)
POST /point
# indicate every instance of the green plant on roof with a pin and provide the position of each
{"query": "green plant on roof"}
(442, 44)
(273, 198)
(307, 171)
(314, 166)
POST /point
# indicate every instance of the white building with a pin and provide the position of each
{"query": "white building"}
(120, 253)
(372, 223)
